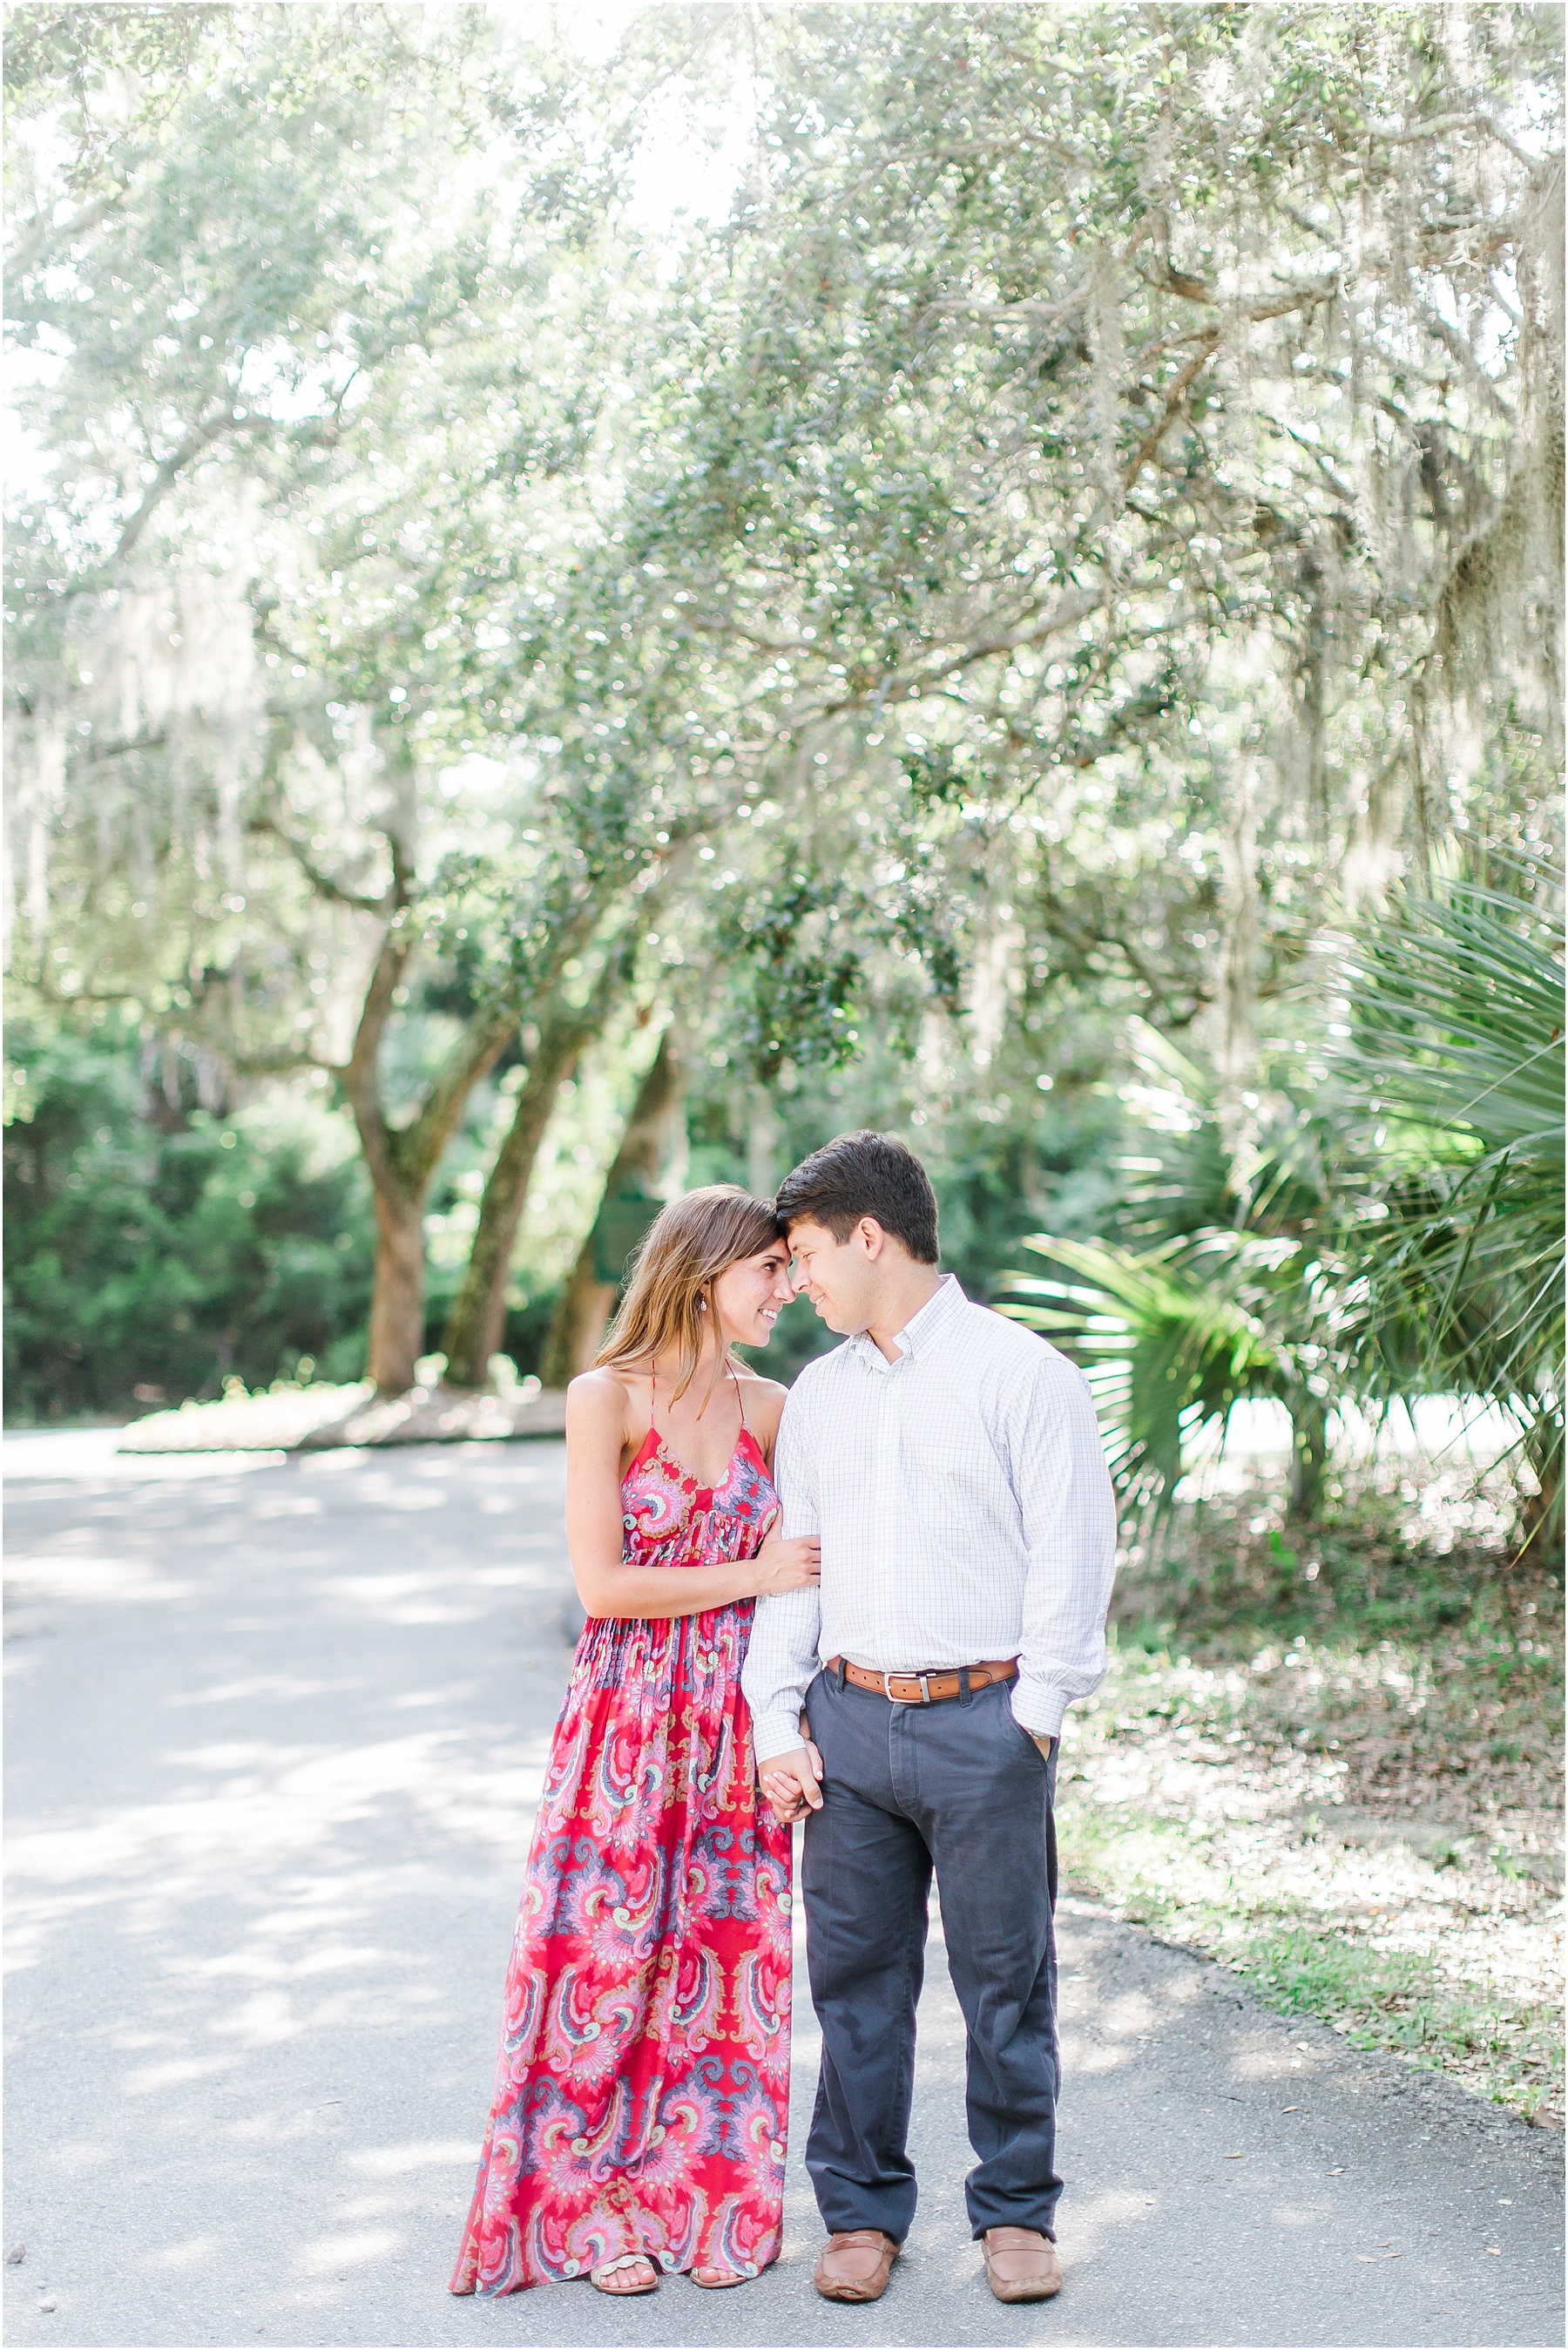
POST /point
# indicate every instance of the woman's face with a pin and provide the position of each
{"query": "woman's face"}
(749, 1295)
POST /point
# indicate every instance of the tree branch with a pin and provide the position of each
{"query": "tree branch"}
(1341, 488)
(1458, 349)
(898, 684)
(360, 1079)
(1274, 306)
(201, 436)
(1028, 313)
(1175, 400)
(91, 752)
(1536, 165)
(415, 1148)
(277, 1065)
(1295, 297)
(322, 882)
(326, 431)
(38, 233)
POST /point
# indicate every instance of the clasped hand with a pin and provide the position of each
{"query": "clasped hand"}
(793, 1782)
(792, 1564)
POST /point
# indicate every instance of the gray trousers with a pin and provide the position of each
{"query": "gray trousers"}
(962, 1786)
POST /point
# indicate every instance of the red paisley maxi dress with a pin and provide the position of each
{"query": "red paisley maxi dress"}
(642, 2090)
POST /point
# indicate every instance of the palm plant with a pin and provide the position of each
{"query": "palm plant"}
(1399, 1230)
(1232, 1291)
(1170, 1337)
(1456, 1044)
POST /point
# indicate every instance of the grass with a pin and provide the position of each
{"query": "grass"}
(1330, 1757)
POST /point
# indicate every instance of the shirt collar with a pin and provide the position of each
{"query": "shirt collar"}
(918, 1332)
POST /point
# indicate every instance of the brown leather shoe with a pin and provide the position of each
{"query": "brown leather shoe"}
(1020, 2264)
(856, 2265)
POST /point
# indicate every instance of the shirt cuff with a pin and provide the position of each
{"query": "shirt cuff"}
(776, 1734)
(1038, 1707)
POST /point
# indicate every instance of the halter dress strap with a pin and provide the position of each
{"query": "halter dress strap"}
(653, 1398)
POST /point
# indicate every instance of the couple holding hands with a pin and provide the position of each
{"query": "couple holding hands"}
(867, 1604)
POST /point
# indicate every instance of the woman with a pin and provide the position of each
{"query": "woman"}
(643, 2086)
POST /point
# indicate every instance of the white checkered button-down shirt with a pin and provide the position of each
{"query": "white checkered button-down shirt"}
(964, 1509)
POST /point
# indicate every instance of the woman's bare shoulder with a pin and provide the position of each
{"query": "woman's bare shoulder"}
(604, 1398)
(764, 1401)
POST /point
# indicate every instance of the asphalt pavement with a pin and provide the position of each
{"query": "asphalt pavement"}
(276, 1728)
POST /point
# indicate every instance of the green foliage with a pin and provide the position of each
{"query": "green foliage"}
(1228, 1291)
(155, 1249)
(800, 941)
(1173, 1338)
(980, 585)
(1003, 1155)
(1351, 1263)
(1455, 1003)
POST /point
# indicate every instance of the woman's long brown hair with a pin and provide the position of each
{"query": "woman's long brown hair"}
(689, 1244)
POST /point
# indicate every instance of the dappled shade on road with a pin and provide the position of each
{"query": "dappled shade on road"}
(276, 1731)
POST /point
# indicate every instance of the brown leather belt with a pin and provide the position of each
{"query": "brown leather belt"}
(923, 1689)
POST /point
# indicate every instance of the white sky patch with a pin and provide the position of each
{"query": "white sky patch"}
(275, 380)
(30, 463)
(693, 156)
(474, 774)
(695, 141)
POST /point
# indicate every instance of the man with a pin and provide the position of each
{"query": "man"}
(949, 1464)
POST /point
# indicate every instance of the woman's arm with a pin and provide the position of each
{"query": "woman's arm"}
(606, 1585)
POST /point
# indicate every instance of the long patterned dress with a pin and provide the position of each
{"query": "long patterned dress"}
(642, 2090)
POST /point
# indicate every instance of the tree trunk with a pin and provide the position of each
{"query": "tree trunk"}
(647, 1146)
(398, 1301)
(577, 1325)
(1541, 1514)
(1238, 996)
(762, 1145)
(479, 1313)
(1308, 1456)
(400, 1162)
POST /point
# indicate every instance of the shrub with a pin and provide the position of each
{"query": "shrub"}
(154, 1251)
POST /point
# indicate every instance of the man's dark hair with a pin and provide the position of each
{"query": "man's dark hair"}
(864, 1174)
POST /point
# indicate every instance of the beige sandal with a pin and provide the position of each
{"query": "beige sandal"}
(598, 2278)
(719, 2279)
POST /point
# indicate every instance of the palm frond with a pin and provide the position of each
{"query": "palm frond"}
(1166, 1341)
(1396, 1228)
(1457, 1028)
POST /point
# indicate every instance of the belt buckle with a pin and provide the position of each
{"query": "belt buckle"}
(924, 1697)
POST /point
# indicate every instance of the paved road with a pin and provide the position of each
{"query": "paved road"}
(275, 1734)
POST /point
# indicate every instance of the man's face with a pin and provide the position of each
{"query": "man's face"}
(840, 1277)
